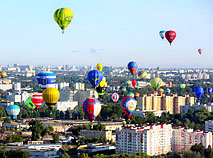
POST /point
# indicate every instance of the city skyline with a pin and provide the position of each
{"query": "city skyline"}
(109, 32)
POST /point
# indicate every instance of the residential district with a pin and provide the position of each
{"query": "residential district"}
(173, 123)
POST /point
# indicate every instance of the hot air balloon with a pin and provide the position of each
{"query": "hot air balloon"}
(91, 108)
(30, 104)
(182, 86)
(136, 95)
(155, 92)
(95, 77)
(115, 97)
(199, 92)
(167, 91)
(130, 94)
(128, 106)
(134, 83)
(200, 51)
(156, 83)
(123, 91)
(3, 74)
(170, 36)
(46, 79)
(101, 88)
(63, 17)
(142, 74)
(37, 100)
(132, 66)
(99, 67)
(128, 83)
(13, 111)
(160, 91)
(209, 90)
(51, 97)
(162, 34)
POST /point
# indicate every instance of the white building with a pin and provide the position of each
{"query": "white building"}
(79, 86)
(63, 86)
(196, 106)
(67, 95)
(6, 87)
(153, 140)
(142, 113)
(17, 86)
(13, 97)
(209, 126)
(64, 106)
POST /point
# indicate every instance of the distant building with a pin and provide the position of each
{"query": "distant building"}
(142, 113)
(142, 84)
(64, 106)
(153, 140)
(209, 126)
(6, 103)
(184, 139)
(79, 86)
(185, 109)
(94, 133)
(63, 86)
(67, 95)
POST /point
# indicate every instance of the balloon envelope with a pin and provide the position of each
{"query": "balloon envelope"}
(46, 79)
(30, 104)
(209, 90)
(170, 36)
(95, 77)
(63, 17)
(91, 108)
(167, 91)
(130, 94)
(156, 82)
(162, 34)
(142, 74)
(13, 111)
(132, 66)
(99, 67)
(37, 100)
(160, 91)
(115, 97)
(134, 83)
(199, 92)
(136, 95)
(182, 86)
(101, 88)
(51, 97)
(3, 74)
(200, 51)
(128, 106)
(128, 83)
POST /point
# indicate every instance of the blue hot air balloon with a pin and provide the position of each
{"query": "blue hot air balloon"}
(46, 79)
(167, 91)
(13, 111)
(132, 66)
(162, 34)
(199, 91)
(209, 90)
(95, 77)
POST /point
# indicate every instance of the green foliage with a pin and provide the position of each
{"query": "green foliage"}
(37, 129)
(14, 138)
(55, 138)
(65, 155)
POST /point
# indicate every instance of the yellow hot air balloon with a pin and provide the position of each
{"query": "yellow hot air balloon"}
(63, 17)
(156, 82)
(3, 74)
(99, 67)
(160, 91)
(51, 97)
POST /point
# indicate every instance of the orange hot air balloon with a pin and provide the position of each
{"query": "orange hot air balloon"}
(200, 51)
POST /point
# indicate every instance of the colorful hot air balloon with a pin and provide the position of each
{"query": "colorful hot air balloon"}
(91, 108)
(155, 92)
(162, 34)
(123, 91)
(63, 17)
(209, 90)
(115, 97)
(99, 67)
(136, 95)
(95, 77)
(130, 94)
(3, 74)
(128, 83)
(170, 36)
(182, 86)
(142, 74)
(134, 83)
(167, 91)
(199, 92)
(37, 100)
(30, 104)
(13, 111)
(200, 51)
(156, 83)
(51, 97)
(132, 66)
(128, 106)
(101, 88)
(160, 91)
(46, 79)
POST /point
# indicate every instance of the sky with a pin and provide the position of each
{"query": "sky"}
(113, 32)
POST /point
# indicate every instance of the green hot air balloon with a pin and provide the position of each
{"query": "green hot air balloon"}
(30, 104)
(156, 83)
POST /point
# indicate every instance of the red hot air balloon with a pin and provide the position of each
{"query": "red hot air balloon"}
(200, 51)
(170, 36)
(134, 83)
(37, 100)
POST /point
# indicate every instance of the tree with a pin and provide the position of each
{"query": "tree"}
(65, 155)
(84, 155)
(55, 138)
(14, 138)
(37, 128)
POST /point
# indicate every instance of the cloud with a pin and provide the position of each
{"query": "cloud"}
(95, 51)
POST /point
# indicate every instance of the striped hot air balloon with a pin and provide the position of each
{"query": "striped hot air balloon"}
(46, 79)
(91, 108)
(13, 111)
(115, 97)
(156, 83)
(142, 74)
(37, 100)
(51, 97)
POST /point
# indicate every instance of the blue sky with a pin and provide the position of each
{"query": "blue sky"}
(112, 32)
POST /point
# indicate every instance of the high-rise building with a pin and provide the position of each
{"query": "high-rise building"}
(184, 139)
(209, 126)
(163, 102)
(153, 140)
(79, 86)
